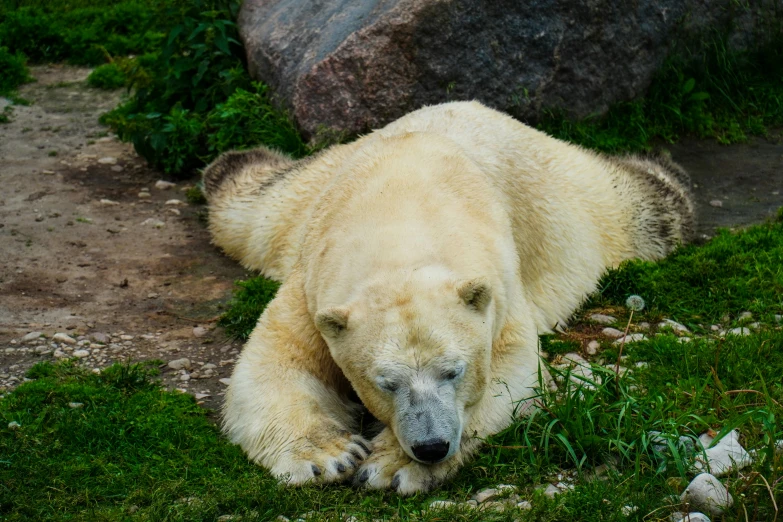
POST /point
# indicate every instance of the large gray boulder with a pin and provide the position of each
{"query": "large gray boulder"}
(354, 65)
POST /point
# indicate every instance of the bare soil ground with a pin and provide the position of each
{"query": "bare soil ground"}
(92, 270)
(136, 278)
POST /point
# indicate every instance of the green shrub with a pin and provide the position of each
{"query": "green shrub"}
(14, 71)
(108, 76)
(195, 98)
(82, 35)
(248, 118)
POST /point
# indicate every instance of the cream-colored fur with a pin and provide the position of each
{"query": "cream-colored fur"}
(443, 243)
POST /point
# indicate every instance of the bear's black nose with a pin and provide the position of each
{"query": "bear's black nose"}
(431, 451)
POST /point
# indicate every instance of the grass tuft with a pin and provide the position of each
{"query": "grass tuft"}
(250, 300)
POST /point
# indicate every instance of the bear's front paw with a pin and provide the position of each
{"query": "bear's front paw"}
(322, 458)
(389, 467)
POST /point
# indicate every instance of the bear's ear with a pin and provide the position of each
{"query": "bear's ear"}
(332, 321)
(476, 293)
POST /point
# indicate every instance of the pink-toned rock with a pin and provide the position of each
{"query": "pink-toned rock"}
(352, 66)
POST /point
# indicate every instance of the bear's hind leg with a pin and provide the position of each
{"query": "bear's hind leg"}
(287, 404)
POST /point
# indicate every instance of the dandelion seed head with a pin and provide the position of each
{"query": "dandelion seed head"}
(635, 303)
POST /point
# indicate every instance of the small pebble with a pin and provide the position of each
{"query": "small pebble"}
(603, 319)
(707, 493)
(745, 316)
(741, 331)
(630, 338)
(175, 202)
(75, 405)
(32, 336)
(63, 338)
(225, 381)
(592, 347)
(612, 332)
(81, 354)
(442, 504)
(108, 160)
(180, 364)
(164, 185)
(13, 425)
(716, 203)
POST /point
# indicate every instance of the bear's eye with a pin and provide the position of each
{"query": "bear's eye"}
(454, 373)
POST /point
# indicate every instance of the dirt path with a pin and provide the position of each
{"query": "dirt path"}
(127, 278)
(135, 278)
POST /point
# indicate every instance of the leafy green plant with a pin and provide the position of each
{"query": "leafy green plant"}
(82, 34)
(195, 99)
(248, 118)
(108, 76)
(14, 71)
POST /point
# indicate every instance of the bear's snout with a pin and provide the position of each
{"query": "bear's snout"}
(431, 451)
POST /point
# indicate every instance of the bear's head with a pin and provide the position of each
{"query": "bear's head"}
(417, 350)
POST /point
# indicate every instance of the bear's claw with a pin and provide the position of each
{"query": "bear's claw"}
(332, 460)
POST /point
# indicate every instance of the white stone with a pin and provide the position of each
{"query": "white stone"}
(184, 377)
(551, 490)
(592, 347)
(778, 318)
(575, 358)
(173, 211)
(745, 316)
(754, 326)
(108, 203)
(200, 396)
(59, 354)
(715, 328)
(716, 203)
(63, 338)
(157, 223)
(673, 325)
(741, 332)
(81, 354)
(442, 504)
(175, 202)
(164, 185)
(126, 337)
(629, 510)
(32, 336)
(144, 195)
(208, 366)
(13, 425)
(225, 381)
(684, 340)
(630, 338)
(180, 364)
(692, 517)
(524, 505)
(724, 457)
(486, 494)
(200, 331)
(108, 160)
(707, 494)
(603, 319)
(612, 332)
(75, 405)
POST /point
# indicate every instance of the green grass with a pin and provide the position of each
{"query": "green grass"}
(733, 272)
(135, 452)
(250, 300)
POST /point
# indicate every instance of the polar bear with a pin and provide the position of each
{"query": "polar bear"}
(419, 265)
